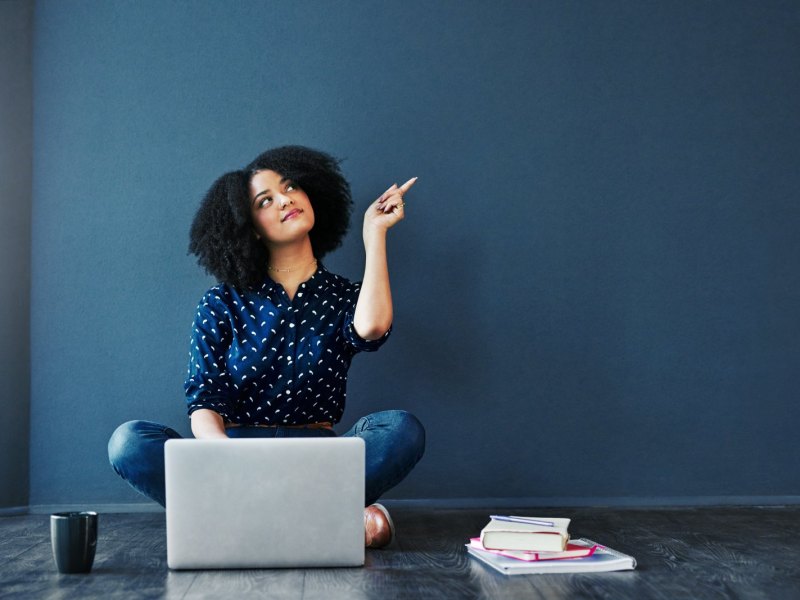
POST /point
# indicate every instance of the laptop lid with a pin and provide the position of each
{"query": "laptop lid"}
(267, 502)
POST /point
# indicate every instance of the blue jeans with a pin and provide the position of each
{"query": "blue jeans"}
(394, 440)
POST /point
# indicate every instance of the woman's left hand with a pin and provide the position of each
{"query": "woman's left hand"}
(387, 210)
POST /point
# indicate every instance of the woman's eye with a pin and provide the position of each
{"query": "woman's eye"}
(290, 187)
(264, 202)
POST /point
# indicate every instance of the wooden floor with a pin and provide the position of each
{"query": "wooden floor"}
(750, 553)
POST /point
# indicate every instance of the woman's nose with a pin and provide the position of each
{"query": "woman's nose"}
(284, 200)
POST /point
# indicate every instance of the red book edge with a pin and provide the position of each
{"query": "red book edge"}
(536, 556)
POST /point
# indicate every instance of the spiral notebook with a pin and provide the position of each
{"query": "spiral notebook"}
(602, 559)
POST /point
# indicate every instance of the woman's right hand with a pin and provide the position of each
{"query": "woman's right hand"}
(208, 425)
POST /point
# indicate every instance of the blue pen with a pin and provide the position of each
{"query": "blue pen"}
(525, 520)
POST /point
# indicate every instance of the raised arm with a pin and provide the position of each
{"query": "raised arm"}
(373, 315)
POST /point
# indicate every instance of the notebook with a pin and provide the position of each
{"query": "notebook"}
(265, 503)
(602, 559)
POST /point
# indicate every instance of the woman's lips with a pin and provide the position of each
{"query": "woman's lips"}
(291, 214)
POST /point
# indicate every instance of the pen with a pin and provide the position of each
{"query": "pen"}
(526, 520)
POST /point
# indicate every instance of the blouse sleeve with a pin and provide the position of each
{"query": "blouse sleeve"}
(208, 382)
(358, 343)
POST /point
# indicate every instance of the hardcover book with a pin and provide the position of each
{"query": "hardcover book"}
(572, 551)
(526, 533)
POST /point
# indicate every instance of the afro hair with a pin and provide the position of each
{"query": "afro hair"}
(222, 237)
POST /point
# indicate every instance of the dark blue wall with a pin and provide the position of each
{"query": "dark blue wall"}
(596, 283)
(16, 138)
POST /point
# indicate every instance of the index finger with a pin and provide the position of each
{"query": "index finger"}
(407, 185)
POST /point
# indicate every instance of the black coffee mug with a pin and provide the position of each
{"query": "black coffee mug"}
(73, 536)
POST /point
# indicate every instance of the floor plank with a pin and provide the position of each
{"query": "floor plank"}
(724, 552)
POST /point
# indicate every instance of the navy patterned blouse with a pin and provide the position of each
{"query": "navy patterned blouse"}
(258, 358)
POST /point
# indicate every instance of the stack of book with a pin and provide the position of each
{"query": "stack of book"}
(517, 545)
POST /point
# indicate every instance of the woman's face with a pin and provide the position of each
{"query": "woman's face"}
(280, 210)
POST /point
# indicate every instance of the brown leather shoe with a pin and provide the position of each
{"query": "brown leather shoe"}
(378, 526)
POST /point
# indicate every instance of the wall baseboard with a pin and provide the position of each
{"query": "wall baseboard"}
(465, 503)
(11, 511)
(596, 502)
(130, 507)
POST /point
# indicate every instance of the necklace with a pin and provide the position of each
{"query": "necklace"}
(313, 262)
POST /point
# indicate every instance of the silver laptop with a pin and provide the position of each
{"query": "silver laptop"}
(260, 503)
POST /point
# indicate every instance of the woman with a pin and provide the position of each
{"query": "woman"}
(272, 343)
